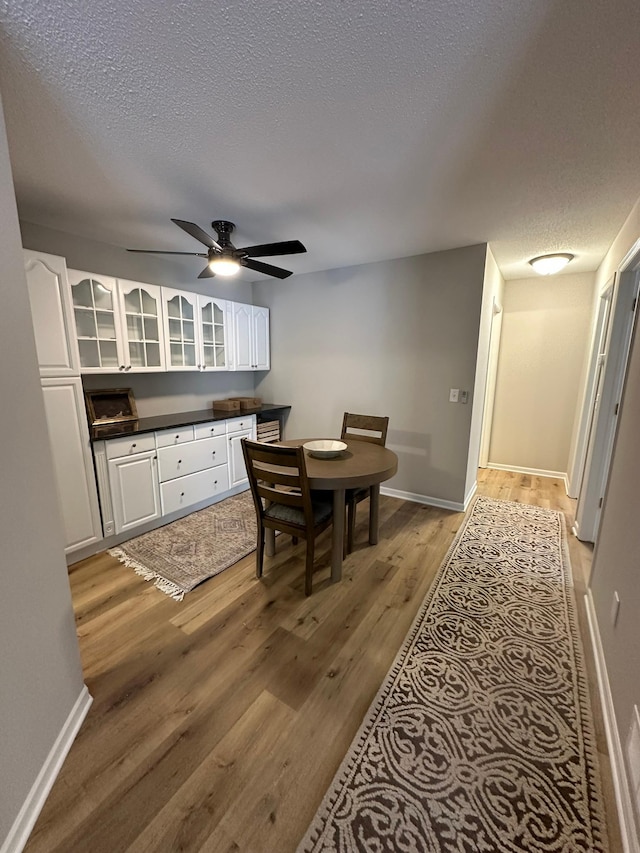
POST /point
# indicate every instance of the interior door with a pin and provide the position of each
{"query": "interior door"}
(604, 417)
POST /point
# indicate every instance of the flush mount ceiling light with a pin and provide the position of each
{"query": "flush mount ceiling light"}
(550, 264)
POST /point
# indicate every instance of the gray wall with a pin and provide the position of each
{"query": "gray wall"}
(40, 674)
(386, 338)
(155, 394)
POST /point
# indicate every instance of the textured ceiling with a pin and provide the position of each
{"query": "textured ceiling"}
(368, 129)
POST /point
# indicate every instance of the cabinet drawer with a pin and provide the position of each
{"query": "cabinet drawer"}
(241, 424)
(171, 437)
(188, 458)
(210, 429)
(129, 445)
(186, 491)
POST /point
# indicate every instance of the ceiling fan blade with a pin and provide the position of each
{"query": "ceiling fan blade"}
(267, 250)
(197, 232)
(161, 252)
(207, 272)
(265, 268)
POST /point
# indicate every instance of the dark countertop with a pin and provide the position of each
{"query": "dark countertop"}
(98, 433)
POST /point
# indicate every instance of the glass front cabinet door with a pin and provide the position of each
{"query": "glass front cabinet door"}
(95, 307)
(181, 344)
(215, 329)
(141, 324)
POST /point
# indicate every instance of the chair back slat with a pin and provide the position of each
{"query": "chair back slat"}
(370, 428)
(279, 496)
(271, 466)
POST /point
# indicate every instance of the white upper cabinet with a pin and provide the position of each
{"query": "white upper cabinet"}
(251, 337)
(180, 311)
(260, 333)
(214, 327)
(97, 321)
(52, 314)
(140, 310)
(118, 324)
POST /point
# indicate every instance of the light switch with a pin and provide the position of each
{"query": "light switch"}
(464, 396)
(453, 395)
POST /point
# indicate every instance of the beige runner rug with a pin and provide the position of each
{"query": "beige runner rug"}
(182, 554)
(480, 739)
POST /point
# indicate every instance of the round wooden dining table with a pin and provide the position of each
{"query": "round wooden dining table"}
(362, 464)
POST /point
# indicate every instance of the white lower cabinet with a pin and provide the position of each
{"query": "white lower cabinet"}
(134, 489)
(187, 491)
(151, 475)
(72, 462)
(237, 468)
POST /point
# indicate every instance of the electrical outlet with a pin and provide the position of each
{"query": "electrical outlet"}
(453, 395)
(464, 396)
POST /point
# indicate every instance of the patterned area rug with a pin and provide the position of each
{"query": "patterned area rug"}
(180, 555)
(481, 737)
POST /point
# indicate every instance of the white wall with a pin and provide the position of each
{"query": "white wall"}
(545, 329)
(616, 564)
(40, 673)
(162, 393)
(388, 338)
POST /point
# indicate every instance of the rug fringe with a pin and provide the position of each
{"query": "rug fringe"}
(168, 587)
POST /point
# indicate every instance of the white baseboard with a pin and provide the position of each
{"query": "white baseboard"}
(456, 506)
(618, 768)
(19, 833)
(470, 495)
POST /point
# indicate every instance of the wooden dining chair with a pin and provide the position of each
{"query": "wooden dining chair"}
(283, 500)
(362, 428)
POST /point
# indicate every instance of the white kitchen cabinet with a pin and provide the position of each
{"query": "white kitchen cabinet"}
(141, 328)
(146, 476)
(72, 461)
(237, 429)
(135, 492)
(180, 314)
(250, 337)
(118, 324)
(95, 307)
(214, 334)
(52, 314)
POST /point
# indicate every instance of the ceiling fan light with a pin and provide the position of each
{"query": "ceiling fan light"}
(550, 264)
(224, 266)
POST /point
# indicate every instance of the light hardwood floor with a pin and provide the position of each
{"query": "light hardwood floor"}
(218, 722)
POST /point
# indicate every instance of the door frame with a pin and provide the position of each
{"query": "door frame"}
(495, 333)
(596, 473)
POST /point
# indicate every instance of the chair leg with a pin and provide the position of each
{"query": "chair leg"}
(351, 523)
(260, 551)
(308, 573)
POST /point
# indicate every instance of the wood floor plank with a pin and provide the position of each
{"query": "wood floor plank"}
(218, 722)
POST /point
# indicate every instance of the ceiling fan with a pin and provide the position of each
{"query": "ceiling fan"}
(222, 256)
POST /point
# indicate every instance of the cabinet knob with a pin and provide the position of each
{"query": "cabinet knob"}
(215, 482)
(213, 453)
(179, 461)
(134, 444)
(121, 367)
(181, 494)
